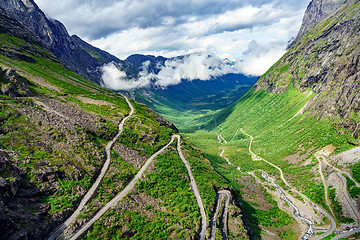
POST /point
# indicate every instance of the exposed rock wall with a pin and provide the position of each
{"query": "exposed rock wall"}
(327, 61)
(316, 12)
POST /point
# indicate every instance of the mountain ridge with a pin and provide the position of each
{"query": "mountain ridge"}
(316, 12)
(326, 60)
(72, 51)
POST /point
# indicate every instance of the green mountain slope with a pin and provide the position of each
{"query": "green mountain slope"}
(191, 104)
(302, 110)
(325, 61)
(54, 128)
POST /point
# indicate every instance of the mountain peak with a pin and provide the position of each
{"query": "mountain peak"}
(326, 60)
(316, 12)
(73, 52)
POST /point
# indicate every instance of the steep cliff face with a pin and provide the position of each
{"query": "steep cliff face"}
(57, 40)
(14, 28)
(316, 12)
(327, 61)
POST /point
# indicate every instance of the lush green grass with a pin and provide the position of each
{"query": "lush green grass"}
(168, 184)
(65, 197)
(266, 116)
(207, 141)
(171, 174)
(144, 133)
(356, 171)
(351, 187)
(191, 104)
(278, 132)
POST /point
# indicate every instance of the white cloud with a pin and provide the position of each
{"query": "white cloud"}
(259, 58)
(178, 27)
(115, 79)
(192, 67)
(258, 65)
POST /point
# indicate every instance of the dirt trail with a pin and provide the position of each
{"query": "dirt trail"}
(58, 231)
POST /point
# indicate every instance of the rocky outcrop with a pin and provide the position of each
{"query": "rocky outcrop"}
(13, 85)
(316, 12)
(326, 61)
(22, 214)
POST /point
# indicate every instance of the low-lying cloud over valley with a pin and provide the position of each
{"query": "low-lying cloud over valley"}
(226, 28)
(192, 67)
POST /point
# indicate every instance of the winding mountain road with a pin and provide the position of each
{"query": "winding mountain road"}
(346, 194)
(323, 211)
(223, 195)
(118, 197)
(222, 138)
(131, 185)
(325, 185)
(58, 231)
(195, 189)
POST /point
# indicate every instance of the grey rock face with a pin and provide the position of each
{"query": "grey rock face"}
(14, 28)
(316, 12)
(326, 61)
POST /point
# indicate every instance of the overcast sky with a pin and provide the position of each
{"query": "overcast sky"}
(255, 31)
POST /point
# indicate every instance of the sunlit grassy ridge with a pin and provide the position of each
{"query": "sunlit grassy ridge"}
(278, 132)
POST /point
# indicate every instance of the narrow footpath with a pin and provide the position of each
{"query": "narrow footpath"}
(58, 231)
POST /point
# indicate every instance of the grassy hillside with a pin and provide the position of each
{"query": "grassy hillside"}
(54, 126)
(281, 136)
(326, 61)
(191, 104)
(307, 102)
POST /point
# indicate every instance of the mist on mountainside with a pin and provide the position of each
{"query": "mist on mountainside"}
(191, 67)
(199, 66)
